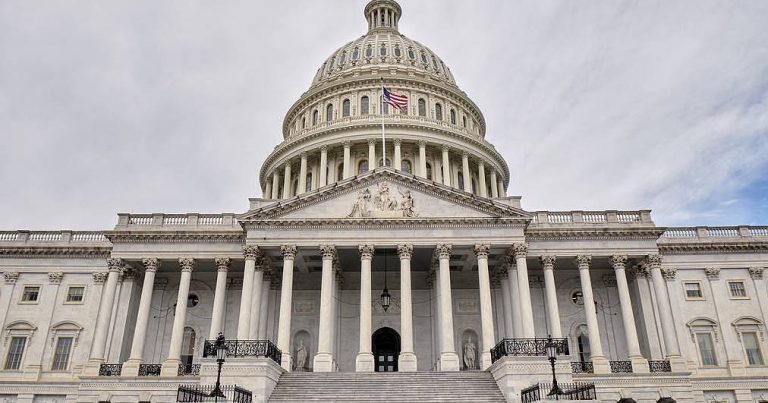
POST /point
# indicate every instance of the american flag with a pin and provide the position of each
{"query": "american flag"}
(397, 101)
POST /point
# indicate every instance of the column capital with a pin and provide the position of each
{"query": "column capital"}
(397, 141)
(619, 261)
(55, 277)
(99, 277)
(713, 273)
(187, 264)
(288, 251)
(11, 276)
(115, 264)
(501, 272)
(520, 250)
(251, 252)
(422, 143)
(371, 142)
(222, 263)
(548, 261)
(347, 144)
(654, 261)
(669, 273)
(639, 270)
(324, 149)
(328, 252)
(287, 164)
(444, 250)
(151, 264)
(304, 155)
(482, 250)
(128, 273)
(405, 251)
(583, 261)
(445, 148)
(756, 273)
(366, 252)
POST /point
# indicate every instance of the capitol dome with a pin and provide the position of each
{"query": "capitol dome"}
(334, 130)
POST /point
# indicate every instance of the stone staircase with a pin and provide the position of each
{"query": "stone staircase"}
(421, 387)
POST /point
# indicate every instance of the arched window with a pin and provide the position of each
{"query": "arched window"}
(383, 50)
(385, 108)
(429, 171)
(343, 58)
(398, 53)
(340, 172)
(329, 113)
(464, 120)
(345, 108)
(362, 167)
(364, 105)
(424, 58)
(381, 162)
(308, 186)
(315, 117)
(422, 107)
(406, 166)
(188, 346)
(461, 180)
(585, 354)
(453, 117)
(438, 111)
(356, 54)
(303, 123)
(369, 51)
(411, 54)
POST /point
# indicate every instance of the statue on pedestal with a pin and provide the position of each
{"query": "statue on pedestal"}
(470, 354)
(301, 357)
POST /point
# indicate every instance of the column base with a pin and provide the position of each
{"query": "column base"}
(323, 362)
(364, 362)
(449, 361)
(640, 365)
(407, 362)
(131, 367)
(485, 360)
(91, 367)
(601, 365)
(170, 368)
(677, 364)
(287, 361)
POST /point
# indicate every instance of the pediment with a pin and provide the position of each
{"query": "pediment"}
(385, 194)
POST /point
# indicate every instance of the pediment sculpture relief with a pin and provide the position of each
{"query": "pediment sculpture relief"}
(383, 203)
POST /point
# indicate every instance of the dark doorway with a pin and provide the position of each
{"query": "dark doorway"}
(386, 349)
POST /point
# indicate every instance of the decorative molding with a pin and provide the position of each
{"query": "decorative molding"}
(713, 273)
(222, 263)
(482, 250)
(669, 273)
(583, 261)
(151, 264)
(99, 277)
(548, 261)
(187, 264)
(405, 251)
(568, 233)
(55, 277)
(520, 250)
(366, 252)
(288, 251)
(175, 236)
(444, 250)
(11, 277)
(328, 252)
(250, 252)
(42, 251)
(756, 273)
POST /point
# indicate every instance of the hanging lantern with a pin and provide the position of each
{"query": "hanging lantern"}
(386, 299)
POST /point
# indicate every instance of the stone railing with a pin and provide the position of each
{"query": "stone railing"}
(54, 238)
(176, 221)
(703, 233)
(376, 119)
(588, 218)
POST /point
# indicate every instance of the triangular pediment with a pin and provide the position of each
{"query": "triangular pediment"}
(385, 194)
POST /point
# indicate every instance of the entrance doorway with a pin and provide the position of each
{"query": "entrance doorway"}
(386, 349)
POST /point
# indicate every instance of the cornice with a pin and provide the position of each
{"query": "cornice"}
(175, 237)
(43, 251)
(713, 247)
(603, 233)
(384, 223)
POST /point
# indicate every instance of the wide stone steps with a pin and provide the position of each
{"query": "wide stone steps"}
(421, 387)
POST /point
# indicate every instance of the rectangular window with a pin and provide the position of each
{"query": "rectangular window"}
(61, 355)
(706, 349)
(75, 294)
(737, 289)
(15, 352)
(693, 291)
(752, 348)
(30, 294)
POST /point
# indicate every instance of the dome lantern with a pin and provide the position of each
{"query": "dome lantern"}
(383, 15)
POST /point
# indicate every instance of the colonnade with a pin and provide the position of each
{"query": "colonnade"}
(517, 309)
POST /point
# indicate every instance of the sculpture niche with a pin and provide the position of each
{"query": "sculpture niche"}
(383, 204)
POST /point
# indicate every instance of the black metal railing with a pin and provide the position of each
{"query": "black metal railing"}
(571, 391)
(582, 367)
(621, 367)
(245, 348)
(150, 369)
(660, 366)
(189, 369)
(526, 347)
(110, 369)
(199, 393)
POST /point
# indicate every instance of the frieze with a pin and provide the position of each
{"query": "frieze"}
(381, 223)
(467, 305)
(383, 203)
(176, 237)
(73, 252)
(713, 247)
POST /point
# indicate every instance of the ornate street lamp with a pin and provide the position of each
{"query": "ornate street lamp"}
(386, 298)
(551, 349)
(221, 355)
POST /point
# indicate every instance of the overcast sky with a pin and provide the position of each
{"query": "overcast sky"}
(172, 106)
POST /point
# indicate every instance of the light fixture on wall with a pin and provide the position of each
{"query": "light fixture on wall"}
(386, 298)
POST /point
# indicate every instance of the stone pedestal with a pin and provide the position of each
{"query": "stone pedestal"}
(449, 361)
(323, 362)
(678, 364)
(91, 368)
(364, 362)
(259, 375)
(601, 365)
(170, 368)
(640, 365)
(513, 374)
(406, 362)
(131, 368)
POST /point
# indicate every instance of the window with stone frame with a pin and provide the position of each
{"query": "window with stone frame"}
(365, 105)
(308, 185)
(405, 166)
(422, 104)
(438, 111)
(75, 294)
(64, 336)
(704, 334)
(693, 290)
(737, 289)
(751, 332)
(429, 171)
(62, 353)
(315, 117)
(329, 113)
(30, 294)
(346, 108)
(453, 116)
(362, 167)
(15, 353)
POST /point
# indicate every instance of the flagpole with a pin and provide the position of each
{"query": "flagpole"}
(383, 137)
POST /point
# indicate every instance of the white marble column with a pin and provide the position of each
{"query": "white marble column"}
(423, 159)
(302, 175)
(494, 189)
(466, 174)
(268, 190)
(287, 180)
(266, 288)
(506, 298)
(220, 298)
(258, 285)
(514, 295)
(483, 191)
(170, 367)
(550, 289)
(407, 360)
(347, 160)
(372, 154)
(639, 364)
(599, 361)
(338, 284)
(486, 309)
(433, 280)
(364, 361)
(104, 317)
(449, 360)
(502, 190)
(446, 167)
(275, 186)
(524, 291)
(398, 162)
(131, 367)
(665, 313)
(286, 306)
(323, 361)
(250, 252)
(323, 166)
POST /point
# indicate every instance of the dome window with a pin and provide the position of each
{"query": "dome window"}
(461, 180)
(464, 121)
(385, 109)
(423, 58)
(329, 113)
(406, 166)
(411, 54)
(422, 107)
(308, 185)
(434, 64)
(398, 53)
(330, 65)
(345, 108)
(453, 116)
(303, 123)
(369, 51)
(383, 50)
(439, 111)
(315, 116)
(364, 105)
(356, 54)
(362, 167)
(343, 58)
(429, 171)
(381, 162)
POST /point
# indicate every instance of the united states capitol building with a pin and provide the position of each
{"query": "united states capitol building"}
(402, 255)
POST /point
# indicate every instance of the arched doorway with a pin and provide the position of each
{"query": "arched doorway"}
(386, 349)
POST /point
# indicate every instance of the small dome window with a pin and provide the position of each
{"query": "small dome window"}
(315, 116)
(438, 111)
(304, 123)
(383, 50)
(406, 166)
(422, 107)
(343, 58)
(453, 116)
(356, 54)
(434, 64)
(362, 167)
(461, 180)
(369, 51)
(381, 162)
(345, 108)
(464, 121)
(411, 54)
(364, 105)
(330, 64)
(423, 58)
(398, 53)
(429, 171)
(308, 185)
(329, 113)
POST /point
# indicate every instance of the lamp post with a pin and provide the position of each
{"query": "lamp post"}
(551, 348)
(386, 298)
(221, 355)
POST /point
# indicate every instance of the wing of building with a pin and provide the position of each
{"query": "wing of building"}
(397, 254)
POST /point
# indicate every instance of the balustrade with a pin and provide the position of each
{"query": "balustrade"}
(110, 369)
(571, 391)
(527, 347)
(150, 369)
(45, 236)
(9, 236)
(723, 232)
(245, 348)
(619, 367)
(582, 367)
(189, 369)
(659, 366)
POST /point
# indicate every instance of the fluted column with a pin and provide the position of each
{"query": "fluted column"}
(423, 159)
(639, 364)
(506, 298)
(514, 295)
(266, 287)
(553, 311)
(665, 312)
(446, 167)
(275, 185)
(467, 175)
(171, 365)
(255, 307)
(220, 298)
(364, 362)
(483, 191)
(449, 360)
(502, 190)
(302, 175)
(287, 180)
(600, 363)
(407, 360)
(243, 323)
(372, 154)
(494, 189)
(398, 162)
(323, 166)
(324, 358)
(486, 309)
(524, 291)
(347, 160)
(286, 306)
(131, 367)
(104, 316)
(268, 190)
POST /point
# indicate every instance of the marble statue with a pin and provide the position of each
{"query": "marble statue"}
(301, 356)
(470, 354)
(362, 206)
